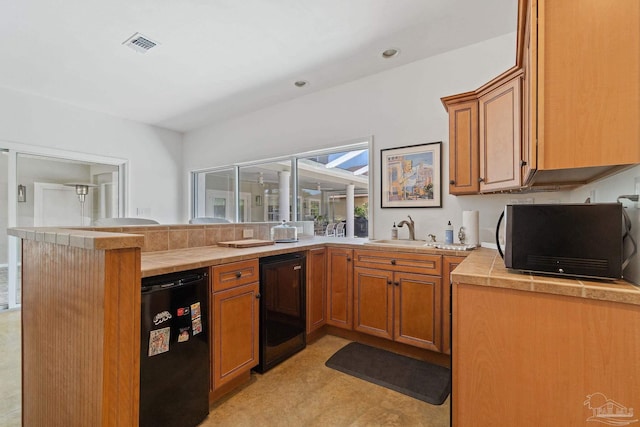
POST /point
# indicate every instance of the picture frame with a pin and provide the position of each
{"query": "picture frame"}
(412, 176)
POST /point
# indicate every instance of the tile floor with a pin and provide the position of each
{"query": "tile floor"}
(299, 392)
(4, 287)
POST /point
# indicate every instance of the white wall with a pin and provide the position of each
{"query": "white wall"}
(398, 107)
(154, 154)
(608, 189)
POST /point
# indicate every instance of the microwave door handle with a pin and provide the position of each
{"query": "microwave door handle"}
(498, 235)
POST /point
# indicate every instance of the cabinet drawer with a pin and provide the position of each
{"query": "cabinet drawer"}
(400, 261)
(234, 274)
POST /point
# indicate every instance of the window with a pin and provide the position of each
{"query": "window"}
(215, 194)
(320, 182)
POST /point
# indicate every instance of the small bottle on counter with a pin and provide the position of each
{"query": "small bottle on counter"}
(448, 234)
(394, 232)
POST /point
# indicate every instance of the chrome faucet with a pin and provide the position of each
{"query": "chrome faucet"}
(410, 225)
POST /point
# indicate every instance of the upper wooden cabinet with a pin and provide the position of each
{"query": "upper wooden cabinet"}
(485, 136)
(583, 62)
(463, 144)
(499, 110)
(574, 106)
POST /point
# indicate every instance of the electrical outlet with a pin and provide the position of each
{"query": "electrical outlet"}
(247, 233)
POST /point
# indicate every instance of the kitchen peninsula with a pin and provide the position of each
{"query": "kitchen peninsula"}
(81, 322)
(81, 306)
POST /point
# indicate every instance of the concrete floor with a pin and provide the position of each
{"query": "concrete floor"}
(299, 392)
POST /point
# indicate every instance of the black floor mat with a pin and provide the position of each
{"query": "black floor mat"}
(416, 378)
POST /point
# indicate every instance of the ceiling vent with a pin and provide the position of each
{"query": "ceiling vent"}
(140, 43)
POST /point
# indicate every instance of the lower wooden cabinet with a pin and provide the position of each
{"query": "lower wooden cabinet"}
(397, 295)
(316, 289)
(340, 287)
(234, 331)
(533, 359)
(449, 263)
(404, 307)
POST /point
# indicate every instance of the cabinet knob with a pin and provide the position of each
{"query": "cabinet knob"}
(397, 283)
(258, 295)
(238, 274)
(389, 282)
(452, 182)
(393, 262)
(480, 179)
(523, 163)
(348, 259)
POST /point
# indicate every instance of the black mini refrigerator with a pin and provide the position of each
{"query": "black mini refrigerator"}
(282, 308)
(174, 350)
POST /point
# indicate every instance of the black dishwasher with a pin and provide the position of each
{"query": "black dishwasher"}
(174, 350)
(282, 308)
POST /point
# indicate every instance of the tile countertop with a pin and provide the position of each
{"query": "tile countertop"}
(161, 262)
(168, 261)
(484, 267)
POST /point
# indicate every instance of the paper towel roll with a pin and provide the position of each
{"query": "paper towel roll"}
(471, 224)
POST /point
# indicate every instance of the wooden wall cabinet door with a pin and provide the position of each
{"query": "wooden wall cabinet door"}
(588, 89)
(340, 287)
(316, 289)
(417, 310)
(581, 96)
(449, 263)
(529, 106)
(463, 145)
(234, 320)
(500, 129)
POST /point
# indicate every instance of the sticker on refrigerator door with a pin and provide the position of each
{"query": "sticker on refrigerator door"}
(159, 341)
(161, 317)
(182, 311)
(183, 335)
(197, 326)
(195, 310)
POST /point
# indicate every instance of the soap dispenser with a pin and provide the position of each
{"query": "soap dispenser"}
(394, 232)
(448, 234)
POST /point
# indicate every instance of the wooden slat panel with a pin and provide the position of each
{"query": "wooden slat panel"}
(62, 338)
(75, 339)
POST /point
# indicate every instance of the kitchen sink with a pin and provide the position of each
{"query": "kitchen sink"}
(421, 243)
(398, 242)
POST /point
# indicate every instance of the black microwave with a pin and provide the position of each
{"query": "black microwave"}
(583, 240)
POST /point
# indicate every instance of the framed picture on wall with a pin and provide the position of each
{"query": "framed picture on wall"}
(412, 176)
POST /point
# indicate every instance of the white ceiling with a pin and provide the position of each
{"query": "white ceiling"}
(220, 58)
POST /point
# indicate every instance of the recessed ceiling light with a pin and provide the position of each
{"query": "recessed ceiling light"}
(301, 83)
(390, 53)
